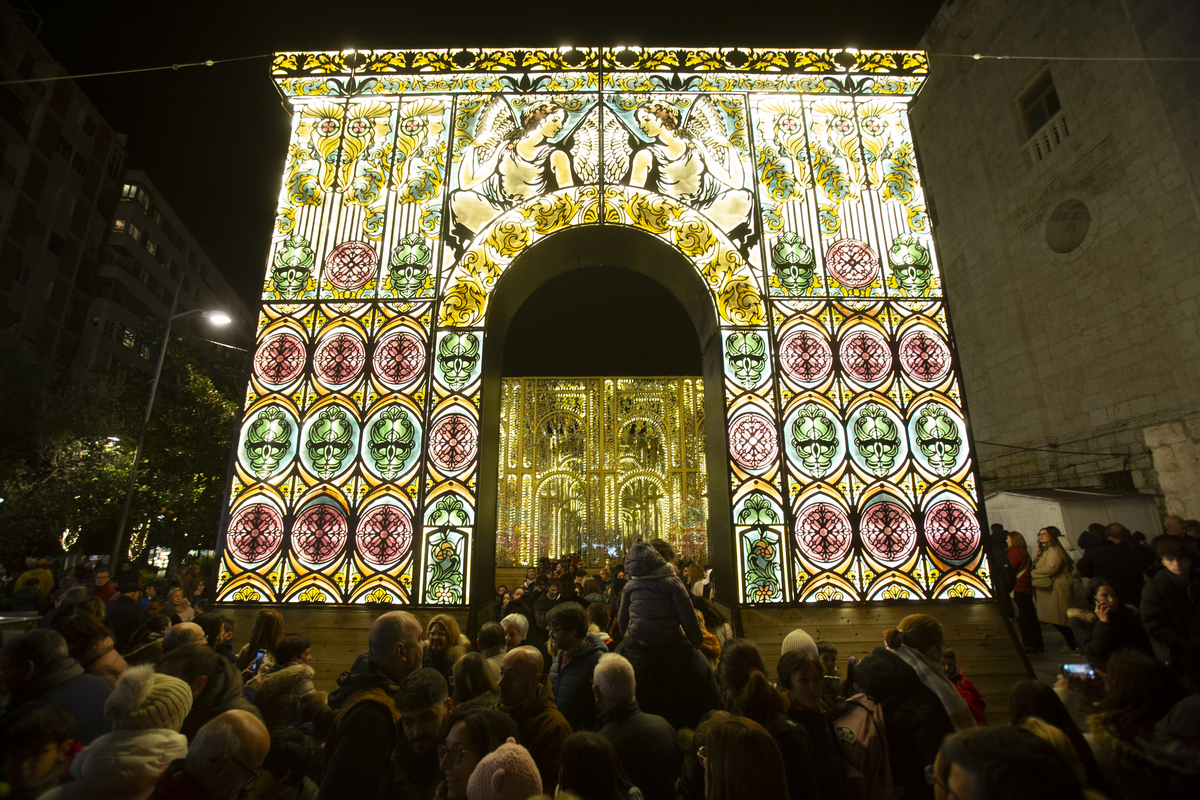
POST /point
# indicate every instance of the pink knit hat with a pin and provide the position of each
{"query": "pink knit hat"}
(506, 773)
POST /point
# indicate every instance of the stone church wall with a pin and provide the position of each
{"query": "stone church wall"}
(1072, 257)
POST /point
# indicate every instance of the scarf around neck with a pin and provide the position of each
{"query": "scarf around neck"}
(934, 679)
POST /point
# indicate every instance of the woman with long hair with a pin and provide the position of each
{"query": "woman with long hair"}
(1141, 690)
(1051, 578)
(920, 704)
(1030, 699)
(741, 761)
(589, 769)
(1022, 564)
(266, 636)
(749, 693)
(445, 645)
(802, 676)
(467, 736)
(714, 620)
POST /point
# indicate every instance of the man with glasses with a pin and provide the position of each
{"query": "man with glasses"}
(224, 758)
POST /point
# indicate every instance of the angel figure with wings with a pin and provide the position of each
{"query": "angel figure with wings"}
(507, 164)
(696, 164)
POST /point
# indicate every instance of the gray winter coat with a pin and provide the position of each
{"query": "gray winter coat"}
(572, 684)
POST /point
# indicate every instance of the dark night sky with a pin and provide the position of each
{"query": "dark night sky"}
(213, 138)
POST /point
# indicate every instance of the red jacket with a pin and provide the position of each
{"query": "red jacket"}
(970, 696)
(1018, 557)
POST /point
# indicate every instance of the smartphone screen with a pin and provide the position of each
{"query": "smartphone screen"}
(257, 662)
(1079, 672)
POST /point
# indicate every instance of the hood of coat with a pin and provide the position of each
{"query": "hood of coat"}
(363, 675)
(223, 686)
(281, 682)
(126, 763)
(591, 643)
(643, 561)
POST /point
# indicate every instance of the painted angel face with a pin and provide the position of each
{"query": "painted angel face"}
(553, 123)
(648, 122)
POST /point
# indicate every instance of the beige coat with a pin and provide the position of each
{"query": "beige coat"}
(1052, 603)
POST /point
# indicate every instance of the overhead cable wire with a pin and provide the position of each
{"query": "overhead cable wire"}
(1053, 450)
(209, 63)
(983, 56)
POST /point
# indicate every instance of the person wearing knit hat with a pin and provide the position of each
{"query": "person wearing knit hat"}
(506, 773)
(799, 640)
(147, 710)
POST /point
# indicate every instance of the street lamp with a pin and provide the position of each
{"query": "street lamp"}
(216, 318)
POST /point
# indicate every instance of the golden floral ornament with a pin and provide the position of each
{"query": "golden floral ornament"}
(246, 594)
(378, 595)
(312, 594)
(960, 590)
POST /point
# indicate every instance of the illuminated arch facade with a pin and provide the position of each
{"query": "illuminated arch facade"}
(787, 178)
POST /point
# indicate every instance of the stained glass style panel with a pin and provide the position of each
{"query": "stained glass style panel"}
(415, 179)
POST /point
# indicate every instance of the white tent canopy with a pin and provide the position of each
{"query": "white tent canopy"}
(1071, 511)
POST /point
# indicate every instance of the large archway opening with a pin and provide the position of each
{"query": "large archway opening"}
(594, 302)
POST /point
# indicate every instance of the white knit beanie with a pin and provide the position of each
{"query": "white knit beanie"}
(145, 699)
(798, 640)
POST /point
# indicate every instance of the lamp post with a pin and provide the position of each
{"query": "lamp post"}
(215, 317)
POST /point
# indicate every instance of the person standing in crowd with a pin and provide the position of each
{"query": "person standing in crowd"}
(1116, 561)
(1113, 625)
(37, 750)
(490, 641)
(37, 670)
(516, 627)
(1051, 578)
(39, 572)
(66, 605)
(124, 615)
(473, 683)
(741, 762)
(800, 676)
(147, 711)
(1031, 698)
(215, 683)
(445, 644)
(91, 644)
(223, 758)
(469, 736)
(1003, 577)
(750, 694)
(179, 605)
(30, 598)
(716, 622)
(1140, 692)
(590, 770)
(644, 743)
(527, 698)
(975, 764)
(424, 704)
(920, 705)
(1169, 610)
(1022, 564)
(506, 773)
(291, 678)
(101, 585)
(571, 672)
(966, 690)
(365, 729)
(264, 637)
(1173, 527)
(284, 773)
(655, 603)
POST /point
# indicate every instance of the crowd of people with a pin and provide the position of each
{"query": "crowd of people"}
(625, 684)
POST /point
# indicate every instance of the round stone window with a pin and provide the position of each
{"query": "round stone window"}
(1068, 226)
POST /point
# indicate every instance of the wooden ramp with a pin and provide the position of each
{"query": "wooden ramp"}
(338, 635)
(988, 652)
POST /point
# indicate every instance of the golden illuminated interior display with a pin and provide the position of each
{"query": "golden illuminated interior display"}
(786, 178)
(591, 465)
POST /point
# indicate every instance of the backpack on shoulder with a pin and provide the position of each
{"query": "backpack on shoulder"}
(863, 740)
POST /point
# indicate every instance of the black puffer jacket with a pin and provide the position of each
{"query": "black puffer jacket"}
(655, 603)
(571, 683)
(915, 719)
(1169, 614)
(222, 693)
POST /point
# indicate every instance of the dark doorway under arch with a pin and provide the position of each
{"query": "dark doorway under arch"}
(644, 258)
(601, 320)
